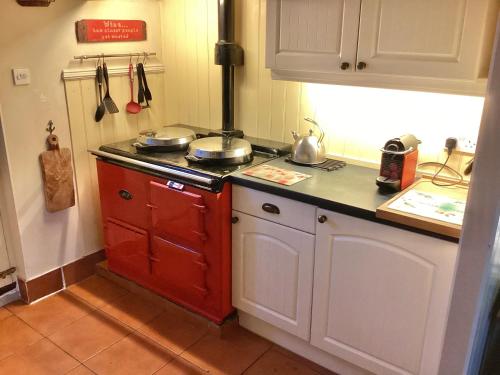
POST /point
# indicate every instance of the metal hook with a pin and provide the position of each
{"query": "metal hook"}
(50, 127)
(145, 58)
(98, 60)
(130, 60)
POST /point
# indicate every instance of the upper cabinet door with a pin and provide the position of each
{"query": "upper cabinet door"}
(429, 38)
(318, 35)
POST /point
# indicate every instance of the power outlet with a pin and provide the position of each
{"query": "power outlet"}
(21, 76)
(466, 145)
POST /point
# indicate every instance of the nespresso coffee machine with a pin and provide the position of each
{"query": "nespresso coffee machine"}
(399, 163)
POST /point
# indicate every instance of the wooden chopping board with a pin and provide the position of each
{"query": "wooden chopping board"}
(57, 174)
(440, 199)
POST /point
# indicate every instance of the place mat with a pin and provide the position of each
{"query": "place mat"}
(274, 174)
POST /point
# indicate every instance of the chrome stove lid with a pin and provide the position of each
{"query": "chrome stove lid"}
(220, 149)
(168, 136)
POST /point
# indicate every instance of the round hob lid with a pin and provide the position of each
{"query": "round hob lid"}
(216, 148)
(167, 136)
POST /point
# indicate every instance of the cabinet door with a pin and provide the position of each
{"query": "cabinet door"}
(127, 249)
(430, 38)
(316, 35)
(273, 273)
(381, 295)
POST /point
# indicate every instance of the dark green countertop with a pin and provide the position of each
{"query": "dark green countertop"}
(350, 190)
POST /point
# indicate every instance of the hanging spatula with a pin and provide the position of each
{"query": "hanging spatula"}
(108, 102)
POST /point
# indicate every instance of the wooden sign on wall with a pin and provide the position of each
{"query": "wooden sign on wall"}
(94, 31)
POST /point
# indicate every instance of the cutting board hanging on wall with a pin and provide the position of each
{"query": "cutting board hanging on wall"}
(57, 174)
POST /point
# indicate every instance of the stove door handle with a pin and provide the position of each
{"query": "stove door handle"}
(203, 291)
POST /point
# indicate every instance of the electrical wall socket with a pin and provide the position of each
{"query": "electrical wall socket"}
(466, 145)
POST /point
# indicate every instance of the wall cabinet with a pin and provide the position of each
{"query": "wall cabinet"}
(380, 295)
(445, 43)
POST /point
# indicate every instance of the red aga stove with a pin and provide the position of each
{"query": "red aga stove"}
(167, 221)
(171, 237)
(167, 215)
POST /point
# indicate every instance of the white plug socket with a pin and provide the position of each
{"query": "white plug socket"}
(21, 76)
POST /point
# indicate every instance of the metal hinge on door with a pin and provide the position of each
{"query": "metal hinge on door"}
(7, 272)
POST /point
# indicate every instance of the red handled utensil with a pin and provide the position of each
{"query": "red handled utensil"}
(132, 107)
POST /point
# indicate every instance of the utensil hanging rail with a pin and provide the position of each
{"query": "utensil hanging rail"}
(104, 55)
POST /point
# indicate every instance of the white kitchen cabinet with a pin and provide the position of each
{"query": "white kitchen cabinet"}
(436, 45)
(313, 35)
(273, 273)
(381, 295)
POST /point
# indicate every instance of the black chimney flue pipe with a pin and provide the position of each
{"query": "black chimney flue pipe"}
(227, 54)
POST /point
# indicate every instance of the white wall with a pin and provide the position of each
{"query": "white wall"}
(43, 40)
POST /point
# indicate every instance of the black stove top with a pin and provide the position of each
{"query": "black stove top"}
(174, 165)
(176, 159)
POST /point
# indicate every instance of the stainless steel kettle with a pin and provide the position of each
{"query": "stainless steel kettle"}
(308, 149)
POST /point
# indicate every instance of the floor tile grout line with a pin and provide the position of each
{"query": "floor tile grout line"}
(258, 358)
(106, 348)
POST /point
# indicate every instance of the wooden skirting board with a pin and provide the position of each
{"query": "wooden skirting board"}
(425, 185)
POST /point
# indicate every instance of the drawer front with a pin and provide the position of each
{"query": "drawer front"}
(277, 209)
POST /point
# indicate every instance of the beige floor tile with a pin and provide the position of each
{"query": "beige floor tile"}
(273, 362)
(180, 366)
(132, 310)
(53, 313)
(97, 291)
(134, 355)
(15, 335)
(4, 313)
(89, 335)
(41, 358)
(175, 330)
(230, 354)
(81, 370)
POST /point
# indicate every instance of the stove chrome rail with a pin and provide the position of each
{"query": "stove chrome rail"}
(158, 168)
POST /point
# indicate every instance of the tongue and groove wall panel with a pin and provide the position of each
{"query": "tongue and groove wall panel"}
(82, 99)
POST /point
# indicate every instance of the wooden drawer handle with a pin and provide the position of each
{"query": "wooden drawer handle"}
(271, 208)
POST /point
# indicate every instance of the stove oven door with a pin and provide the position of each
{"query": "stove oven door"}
(180, 272)
(178, 216)
(127, 250)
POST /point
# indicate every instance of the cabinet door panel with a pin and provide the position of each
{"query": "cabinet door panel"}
(273, 272)
(127, 249)
(312, 35)
(380, 295)
(432, 38)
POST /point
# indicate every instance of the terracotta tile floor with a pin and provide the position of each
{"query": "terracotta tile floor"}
(98, 327)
